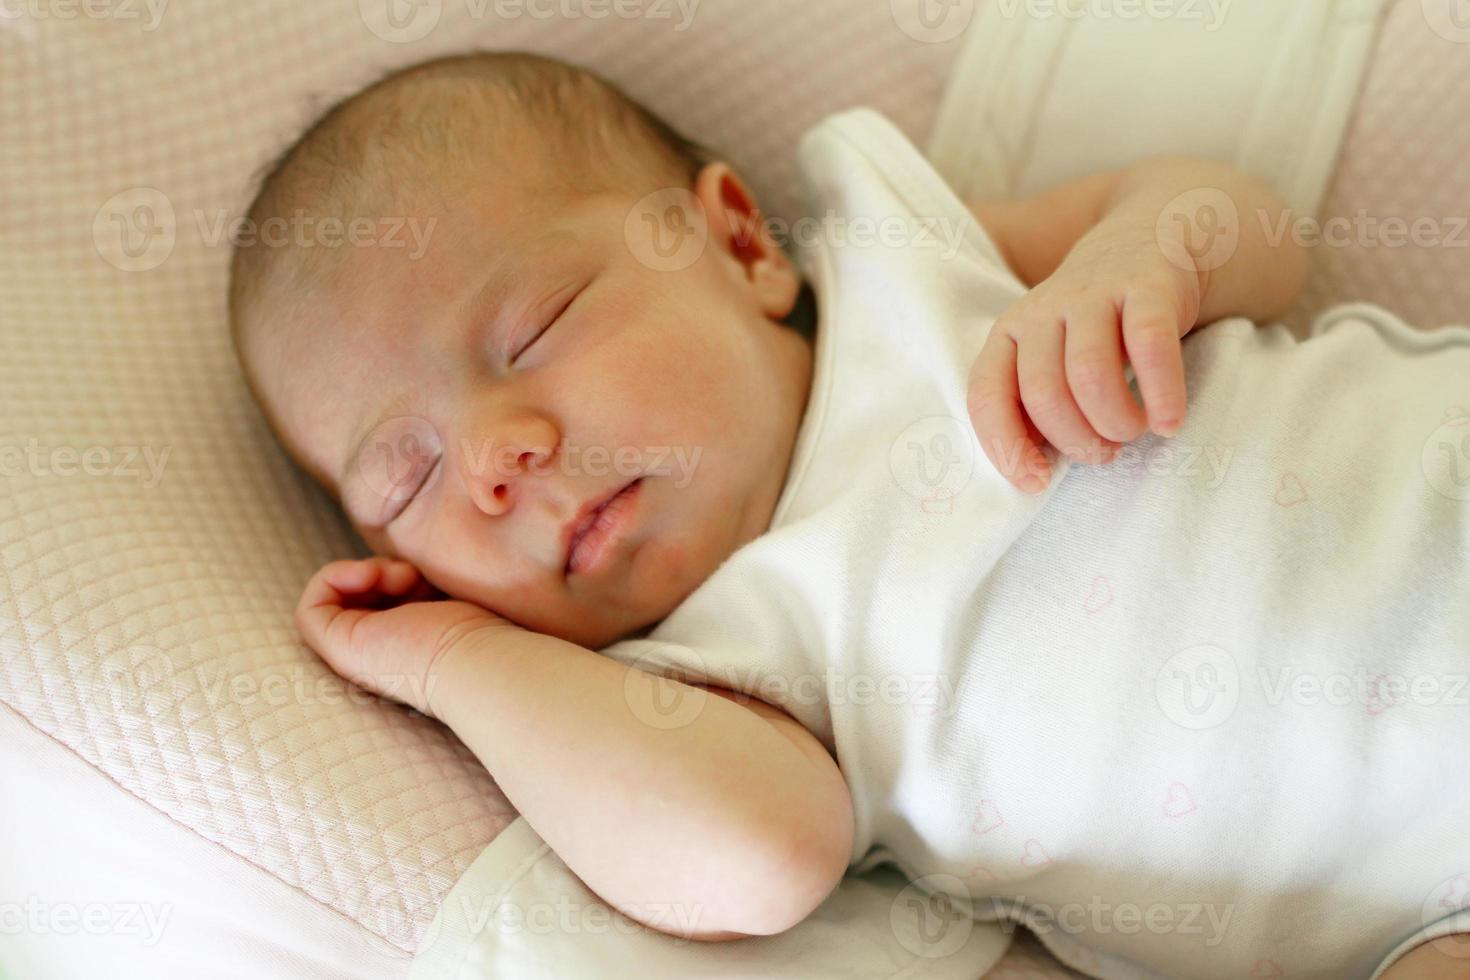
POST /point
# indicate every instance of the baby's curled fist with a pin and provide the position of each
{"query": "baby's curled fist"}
(1052, 368)
(380, 624)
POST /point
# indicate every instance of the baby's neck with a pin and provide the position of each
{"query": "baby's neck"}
(794, 356)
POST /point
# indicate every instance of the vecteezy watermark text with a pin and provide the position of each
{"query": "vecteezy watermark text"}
(1365, 230)
(1210, 13)
(1124, 918)
(39, 917)
(408, 21)
(566, 916)
(136, 230)
(150, 12)
(117, 462)
(668, 230)
(302, 230)
(397, 460)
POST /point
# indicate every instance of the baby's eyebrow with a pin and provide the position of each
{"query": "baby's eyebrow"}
(513, 270)
(480, 304)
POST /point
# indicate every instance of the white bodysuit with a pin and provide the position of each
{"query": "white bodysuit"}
(1202, 712)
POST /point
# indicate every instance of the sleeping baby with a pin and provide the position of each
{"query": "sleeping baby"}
(992, 540)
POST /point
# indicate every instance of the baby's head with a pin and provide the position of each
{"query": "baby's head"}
(466, 394)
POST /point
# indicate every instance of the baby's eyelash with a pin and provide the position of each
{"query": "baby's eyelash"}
(417, 492)
(528, 344)
(550, 321)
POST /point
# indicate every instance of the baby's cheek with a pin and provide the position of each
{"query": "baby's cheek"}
(666, 566)
(687, 358)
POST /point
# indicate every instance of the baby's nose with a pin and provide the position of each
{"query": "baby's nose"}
(495, 495)
(497, 476)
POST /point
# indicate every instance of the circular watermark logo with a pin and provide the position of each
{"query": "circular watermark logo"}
(926, 918)
(392, 912)
(1198, 688)
(1199, 230)
(1449, 897)
(667, 231)
(1450, 19)
(401, 21)
(659, 701)
(122, 680)
(394, 459)
(136, 230)
(1445, 459)
(933, 21)
(933, 460)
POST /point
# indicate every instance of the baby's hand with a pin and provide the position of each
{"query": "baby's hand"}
(380, 624)
(1052, 367)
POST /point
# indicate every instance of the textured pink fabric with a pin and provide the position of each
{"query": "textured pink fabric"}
(1404, 157)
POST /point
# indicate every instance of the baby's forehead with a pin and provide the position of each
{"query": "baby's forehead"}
(383, 324)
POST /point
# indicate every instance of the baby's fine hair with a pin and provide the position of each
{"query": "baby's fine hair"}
(452, 118)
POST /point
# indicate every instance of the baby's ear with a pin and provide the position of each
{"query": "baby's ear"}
(738, 229)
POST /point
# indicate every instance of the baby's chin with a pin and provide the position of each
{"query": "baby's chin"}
(647, 602)
(593, 633)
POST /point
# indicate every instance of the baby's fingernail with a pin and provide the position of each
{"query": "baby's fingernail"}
(1033, 484)
(1168, 428)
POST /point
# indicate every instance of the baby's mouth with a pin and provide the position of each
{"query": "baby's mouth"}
(592, 539)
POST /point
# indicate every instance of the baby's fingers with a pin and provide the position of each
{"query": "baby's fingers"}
(1095, 374)
(321, 614)
(1041, 370)
(995, 411)
(1152, 336)
(341, 593)
(375, 583)
(403, 581)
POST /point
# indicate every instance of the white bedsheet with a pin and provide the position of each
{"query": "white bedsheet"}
(95, 882)
(519, 913)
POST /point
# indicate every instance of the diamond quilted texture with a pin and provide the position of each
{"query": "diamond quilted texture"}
(1403, 158)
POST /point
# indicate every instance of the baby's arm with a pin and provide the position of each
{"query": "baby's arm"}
(1445, 958)
(735, 819)
(718, 818)
(1123, 265)
(1228, 216)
